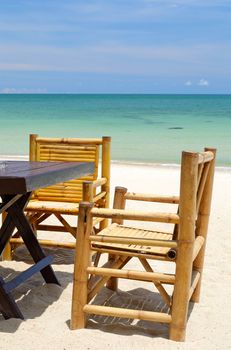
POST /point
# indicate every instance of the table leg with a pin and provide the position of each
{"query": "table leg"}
(16, 214)
(5, 232)
(8, 306)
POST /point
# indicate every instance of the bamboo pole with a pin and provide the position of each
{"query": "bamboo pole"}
(82, 261)
(65, 224)
(187, 213)
(130, 274)
(33, 152)
(87, 191)
(87, 141)
(201, 184)
(118, 263)
(152, 198)
(41, 205)
(132, 254)
(116, 214)
(118, 203)
(99, 182)
(127, 313)
(195, 280)
(99, 196)
(32, 142)
(206, 156)
(47, 243)
(203, 221)
(54, 228)
(199, 241)
(133, 240)
(105, 172)
(157, 284)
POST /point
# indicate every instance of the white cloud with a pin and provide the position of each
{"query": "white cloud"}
(10, 90)
(113, 57)
(203, 82)
(188, 83)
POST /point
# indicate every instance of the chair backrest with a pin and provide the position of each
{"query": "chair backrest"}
(197, 172)
(72, 150)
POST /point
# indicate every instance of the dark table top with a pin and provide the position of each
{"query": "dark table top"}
(20, 177)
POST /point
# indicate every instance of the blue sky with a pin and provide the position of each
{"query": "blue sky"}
(119, 46)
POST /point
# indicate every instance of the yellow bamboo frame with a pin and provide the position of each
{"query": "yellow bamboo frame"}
(89, 188)
(197, 170)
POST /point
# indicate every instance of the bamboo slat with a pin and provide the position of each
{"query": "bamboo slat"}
(66, 159)
(61, 198)
(74, 152)
(127, 313)
(65, 147)
(126, 238)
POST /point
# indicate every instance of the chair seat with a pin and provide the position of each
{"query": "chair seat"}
(116, 230)
(53, 207)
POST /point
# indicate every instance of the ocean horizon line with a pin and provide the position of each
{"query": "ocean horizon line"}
(117, 93)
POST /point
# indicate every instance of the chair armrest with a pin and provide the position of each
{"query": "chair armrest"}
(123, 214)
(99, 182)
(151, 198)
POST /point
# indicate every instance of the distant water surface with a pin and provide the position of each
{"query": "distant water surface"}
(144, 128)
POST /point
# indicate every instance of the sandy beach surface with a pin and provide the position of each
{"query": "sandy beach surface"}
(47, 308)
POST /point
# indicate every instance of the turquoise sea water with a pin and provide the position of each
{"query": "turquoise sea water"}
(144, 128)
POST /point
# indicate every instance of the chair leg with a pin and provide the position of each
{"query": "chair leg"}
(119, 203)
(82, 261)
(180, 301)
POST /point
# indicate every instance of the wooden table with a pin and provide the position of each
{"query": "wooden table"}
(17, 181)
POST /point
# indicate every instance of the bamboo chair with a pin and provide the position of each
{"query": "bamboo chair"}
(184, 247)
(63, 199)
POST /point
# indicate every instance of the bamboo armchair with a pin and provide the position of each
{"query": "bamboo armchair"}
(63, 199)
(184, 247)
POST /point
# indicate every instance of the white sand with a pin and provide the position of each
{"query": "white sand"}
(47, 307)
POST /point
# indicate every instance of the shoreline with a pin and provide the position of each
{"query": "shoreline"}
(220, 168)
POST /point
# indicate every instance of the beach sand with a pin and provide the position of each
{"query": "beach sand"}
(47, 308)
